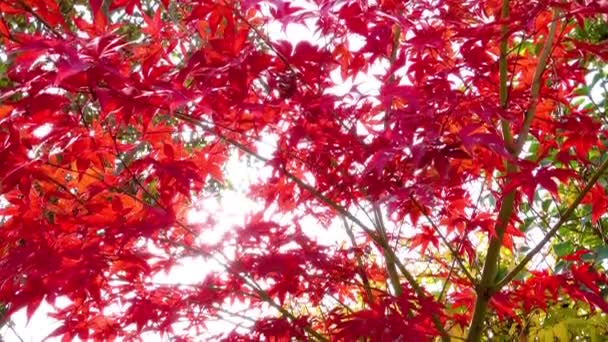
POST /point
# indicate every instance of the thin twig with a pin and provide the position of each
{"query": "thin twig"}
(360, 265)
(445, 241)
(39, 18)
(10, 326)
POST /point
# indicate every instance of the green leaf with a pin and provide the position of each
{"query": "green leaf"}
(563, 248)
(587, 257)
(589, 106)
(601, 253)
(546, 204)
(534, 147)
(502, 272)
(526, 224)
(560, 266)
(582, 91)
(596, 78)
(579, 101)
(492, 200)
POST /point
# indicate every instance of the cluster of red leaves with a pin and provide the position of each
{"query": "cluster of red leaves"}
(114, 174)
(539, 292)
(581, 282)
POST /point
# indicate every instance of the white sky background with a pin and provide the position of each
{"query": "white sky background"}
(232, 207)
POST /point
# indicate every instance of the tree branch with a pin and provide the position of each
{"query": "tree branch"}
(485, 289)
(490, 267)
(390, 262)
(362, 274)
(502, 70)
(536, 84)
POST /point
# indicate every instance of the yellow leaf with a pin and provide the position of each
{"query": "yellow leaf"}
(595, 336)
(541, 336)
(548, 335)
(513, 329)
(561, 332)
(457, 331)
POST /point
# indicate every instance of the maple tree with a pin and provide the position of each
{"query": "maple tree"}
(471, 183)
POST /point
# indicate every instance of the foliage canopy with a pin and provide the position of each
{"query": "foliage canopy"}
(469, 179)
